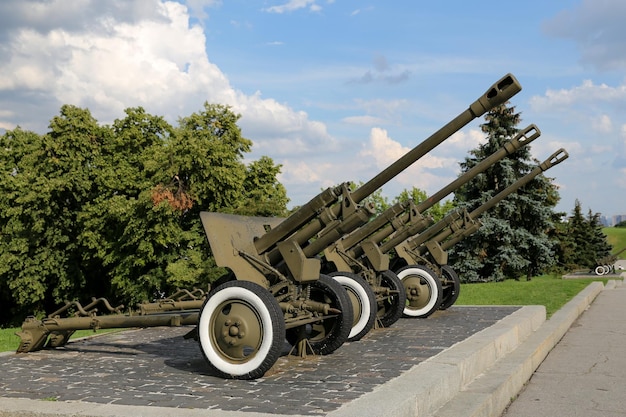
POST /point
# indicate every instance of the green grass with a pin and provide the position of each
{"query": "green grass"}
(9, 341)
(550, 291)
(616, 236)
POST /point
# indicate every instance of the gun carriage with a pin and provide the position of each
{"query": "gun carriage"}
(365, 253)
(428, 249)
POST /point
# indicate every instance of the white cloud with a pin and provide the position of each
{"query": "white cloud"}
(197, 8)
(559, 100)
(588, 114)
(465, 141)
(384, 151)
(155, 60)
(293, 5)
(602, 123)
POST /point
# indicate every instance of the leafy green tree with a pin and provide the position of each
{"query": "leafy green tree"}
(89, 210)
(23, 264)
(263, 194)
(513, 240)
(46, 180)
(201, 169)
(437, 211)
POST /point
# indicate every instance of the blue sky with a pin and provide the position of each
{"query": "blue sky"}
(337, 90)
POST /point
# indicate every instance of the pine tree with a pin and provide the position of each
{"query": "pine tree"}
(598, 241)
(582, 241)
(513, 240)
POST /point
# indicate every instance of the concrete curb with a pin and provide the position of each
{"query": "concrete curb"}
(433, 383)
(492, 392)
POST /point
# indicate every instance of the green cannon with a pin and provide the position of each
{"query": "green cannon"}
(358, 256)
(427, 251)
(275, 289)
(281, 256)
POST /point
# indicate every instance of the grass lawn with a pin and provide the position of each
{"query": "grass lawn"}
(616, 236)
(550, 291)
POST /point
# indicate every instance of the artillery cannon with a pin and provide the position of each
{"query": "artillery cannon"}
(608, 264)
(364, 254)
(275, 289)
(429, 248)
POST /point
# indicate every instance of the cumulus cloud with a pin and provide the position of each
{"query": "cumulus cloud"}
(586, 92)
(128, 54)
(383, 151)
(114, 62)
(602, 123)
(466, 140)
(595, 108)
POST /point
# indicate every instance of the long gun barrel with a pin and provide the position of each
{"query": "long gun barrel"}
(405, 218)
(496, 95)
(466, 224)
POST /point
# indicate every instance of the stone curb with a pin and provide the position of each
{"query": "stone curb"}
(492, 392)
(433, 383)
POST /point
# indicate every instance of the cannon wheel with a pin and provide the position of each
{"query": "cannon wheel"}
(600, 270)
(390, 308)
(423, 290)
(452, 288)
(363, 302)
(328, 334)
(241, 330)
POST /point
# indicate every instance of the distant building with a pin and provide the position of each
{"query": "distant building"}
(612, 221)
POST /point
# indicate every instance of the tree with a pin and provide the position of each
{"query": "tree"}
(513, 240)
(437, 211)
(201, 168)
(89, 210)
(582, 240)
(263, 194)
(46, 182)
(598, 241)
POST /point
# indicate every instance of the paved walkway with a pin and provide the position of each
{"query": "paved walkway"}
(585, 374)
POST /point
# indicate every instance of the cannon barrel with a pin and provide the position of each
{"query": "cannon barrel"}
(497, 94)
(467, 225)
(381, 228)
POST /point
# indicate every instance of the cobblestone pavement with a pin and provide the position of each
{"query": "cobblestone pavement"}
(157, 367)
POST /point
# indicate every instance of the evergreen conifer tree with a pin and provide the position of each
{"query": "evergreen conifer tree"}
(582, 241)
(513, 240)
